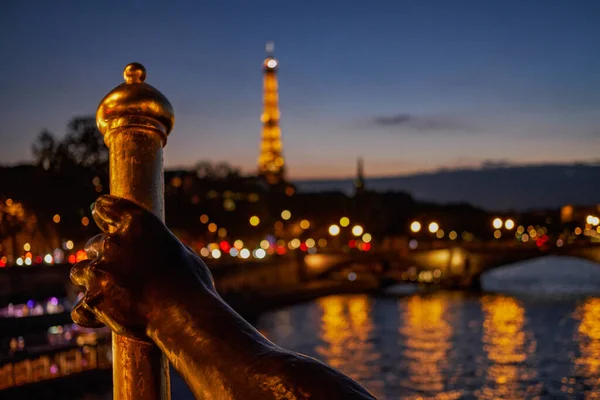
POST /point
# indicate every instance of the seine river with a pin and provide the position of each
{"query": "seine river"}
(451, 345)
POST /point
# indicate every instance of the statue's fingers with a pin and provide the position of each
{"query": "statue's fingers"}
(115, 214)
(111, 213)
(106, 225)
(89, 274)
(95, 247)
(78, 273)
(83, 314)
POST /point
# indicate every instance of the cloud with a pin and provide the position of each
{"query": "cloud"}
(423, 123)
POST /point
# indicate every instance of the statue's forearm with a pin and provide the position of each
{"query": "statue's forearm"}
(221, 356)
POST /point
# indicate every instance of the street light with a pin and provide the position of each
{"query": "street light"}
(497, 223)
(304, 224)
(334, 230)
(509, 224)
(433, 227)
(357, 230)
(415, 226)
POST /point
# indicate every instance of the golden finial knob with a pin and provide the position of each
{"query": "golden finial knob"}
(134, 73)
(135, 104)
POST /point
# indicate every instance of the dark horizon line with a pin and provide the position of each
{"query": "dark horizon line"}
(481, 167)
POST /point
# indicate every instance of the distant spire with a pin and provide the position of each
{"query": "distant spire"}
(270, 47)
(359, 183)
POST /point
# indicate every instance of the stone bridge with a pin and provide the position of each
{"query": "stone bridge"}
(459, 265)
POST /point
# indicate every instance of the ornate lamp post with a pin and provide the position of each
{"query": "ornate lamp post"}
(135, 120)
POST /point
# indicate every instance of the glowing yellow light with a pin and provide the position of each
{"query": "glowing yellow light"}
(334, 230)
(48, 258)
(26, 247)
(578, 231)
(9, 202)
(204, 218)
(589, 219)
(56, 218)
(254, 220)
(212, 227)
(366, 237)
(497, 223)
(85, 221)
(265, 244)
(310, 242)
(532, 233)
(344, 221)
(433, 227)
(322, 242)
(286, 214)
(497, 234)
(272, 63)
(222, 232)
(520, 229)
(595, 221)
(453, 235)
(69, 245)
(357, 230)
(294, 243)
(439, 234)
(509, 224)
(415, 226)
(525, 238)
(216, 253)
(238, 244)
(304, 224)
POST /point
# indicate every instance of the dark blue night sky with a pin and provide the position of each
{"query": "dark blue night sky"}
(408, 85)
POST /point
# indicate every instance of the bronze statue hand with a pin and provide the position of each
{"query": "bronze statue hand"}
(133, 268)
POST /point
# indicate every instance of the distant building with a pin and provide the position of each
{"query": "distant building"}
(270, 162)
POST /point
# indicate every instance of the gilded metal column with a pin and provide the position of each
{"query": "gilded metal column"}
(135, 120)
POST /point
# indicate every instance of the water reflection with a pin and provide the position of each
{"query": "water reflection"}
(587, 364)
(427, 337)
(452, 346)
(347, 343)
(508, 347)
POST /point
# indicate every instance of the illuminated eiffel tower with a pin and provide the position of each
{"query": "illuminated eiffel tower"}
(270, 162)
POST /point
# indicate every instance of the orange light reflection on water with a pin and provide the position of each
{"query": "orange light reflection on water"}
(346, 332)
(508, 346)
(427, 337)
(587, 364)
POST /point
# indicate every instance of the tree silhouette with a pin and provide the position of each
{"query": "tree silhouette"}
(44, 149)
(83, 147)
